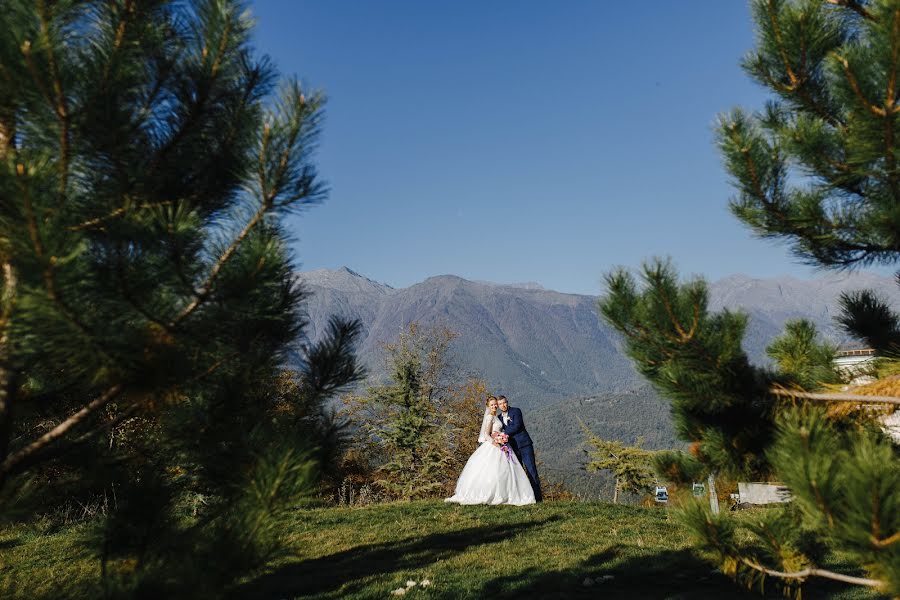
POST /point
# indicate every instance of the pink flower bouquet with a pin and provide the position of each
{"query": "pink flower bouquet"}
(501, 439)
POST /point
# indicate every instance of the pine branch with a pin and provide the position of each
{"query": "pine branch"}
(35, 76)
(10, 285)
(151, 97)
(268, 190)
(59, 102)
(806, 573)
(890, 96)
(776, 32)
(223, 45)
(131, 410)
(11, 461)
(214, 367)
(831, 248)
(799, 80)
(684, 336)
(853, 5)
(854, 85)
(122, 210)
(206, 287)
(890, 109)
(50, 264)
(888, 541)
(127, 294)
(203, 96)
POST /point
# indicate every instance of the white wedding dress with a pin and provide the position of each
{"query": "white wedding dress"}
(491, 476)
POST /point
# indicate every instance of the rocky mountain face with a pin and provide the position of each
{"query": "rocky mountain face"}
(771, 302)
(538, 346)
(531, 344)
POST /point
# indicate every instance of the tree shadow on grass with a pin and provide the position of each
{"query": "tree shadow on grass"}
(351, 568)
(670, 575)
(10, 543)
(667, 574)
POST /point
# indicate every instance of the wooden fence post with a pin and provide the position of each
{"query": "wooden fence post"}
(713, 498)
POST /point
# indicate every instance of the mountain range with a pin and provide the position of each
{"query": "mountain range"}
(538, 346)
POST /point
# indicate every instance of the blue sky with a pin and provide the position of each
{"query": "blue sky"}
(521, 141)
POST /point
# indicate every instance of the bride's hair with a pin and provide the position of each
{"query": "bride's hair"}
(487, 401)
(487, 405)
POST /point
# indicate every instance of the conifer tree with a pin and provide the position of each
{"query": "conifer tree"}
(816, 168)
(631, 466)
(147, 162)
(800, 354)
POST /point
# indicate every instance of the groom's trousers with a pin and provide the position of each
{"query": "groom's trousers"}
(526, 457)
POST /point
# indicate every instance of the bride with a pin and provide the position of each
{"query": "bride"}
(492, 475)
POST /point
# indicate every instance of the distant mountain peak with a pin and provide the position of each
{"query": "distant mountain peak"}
(448, 278)
(344, 278)
(525, 285)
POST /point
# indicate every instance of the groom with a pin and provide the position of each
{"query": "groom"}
(520, 442)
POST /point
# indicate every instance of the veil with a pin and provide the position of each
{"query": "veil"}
(484, 435)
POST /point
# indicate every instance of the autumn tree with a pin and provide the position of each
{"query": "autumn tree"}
(419, 426)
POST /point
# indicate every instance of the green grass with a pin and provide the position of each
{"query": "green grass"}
(541, 551)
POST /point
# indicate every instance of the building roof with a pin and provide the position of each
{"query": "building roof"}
(856, 352)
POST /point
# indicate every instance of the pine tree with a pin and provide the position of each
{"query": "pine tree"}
(741, 428)
(831, 67)
(411, 436)
(799, 353)
(696, 360)
(630, 465)
(147, 162)
(817, 169)
(870, 318)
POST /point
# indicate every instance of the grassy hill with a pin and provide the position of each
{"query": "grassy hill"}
(541, 551)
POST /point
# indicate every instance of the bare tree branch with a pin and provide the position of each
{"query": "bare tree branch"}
(8, 375)
(806, 573)
(835, 397)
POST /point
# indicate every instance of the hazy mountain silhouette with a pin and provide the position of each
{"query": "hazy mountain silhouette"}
(539, 346)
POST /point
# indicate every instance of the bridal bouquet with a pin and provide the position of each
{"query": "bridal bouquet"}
(501, 439)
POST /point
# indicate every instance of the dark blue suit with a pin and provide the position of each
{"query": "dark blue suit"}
(521, 444)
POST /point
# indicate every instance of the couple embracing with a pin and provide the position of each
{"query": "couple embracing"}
(502, 469)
